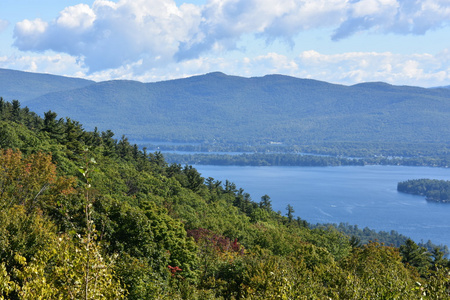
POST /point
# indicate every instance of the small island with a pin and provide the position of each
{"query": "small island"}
(434, 190)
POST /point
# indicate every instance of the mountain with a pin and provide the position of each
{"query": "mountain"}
(24, 86)
(273, 108)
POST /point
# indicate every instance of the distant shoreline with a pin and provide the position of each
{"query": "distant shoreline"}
(284, 159)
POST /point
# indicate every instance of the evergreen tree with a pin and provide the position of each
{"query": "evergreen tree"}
(15, 113)
(53, 126)
(290, 212)
(416, 256)
(266, 203)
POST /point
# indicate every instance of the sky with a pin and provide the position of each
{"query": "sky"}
(401, 42)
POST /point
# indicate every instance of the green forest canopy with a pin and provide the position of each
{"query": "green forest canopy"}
(432, 189)
(87, 216)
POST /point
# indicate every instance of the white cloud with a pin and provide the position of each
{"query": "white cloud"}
(397, 16)
(354, 67)
(80, 17)
(32, 35)
(344, 68)
(29, 28)
(373, 7)
(110, 34)
(153, 40)
(272, 63)
(52, 63)
(225, 21)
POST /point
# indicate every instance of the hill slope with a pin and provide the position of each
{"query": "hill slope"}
(84, 216)
(253, 110)
(24, 86)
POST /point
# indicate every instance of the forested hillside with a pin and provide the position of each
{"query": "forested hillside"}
(217, 109)
(86, 216)
(27, 86)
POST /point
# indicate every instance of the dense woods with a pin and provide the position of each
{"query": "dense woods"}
(87, 216)
(432, 189)
(216, 110)
(287, 159)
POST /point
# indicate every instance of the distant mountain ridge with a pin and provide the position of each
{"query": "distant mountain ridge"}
(233, 109)
(24, 86)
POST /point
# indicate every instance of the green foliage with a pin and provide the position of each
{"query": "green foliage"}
(6, 285)
(60, 273)
(17, 136)
(321, 159)
(41, 264)
(171, 236)
(290, 212)
(375, 271)
(86, 216)
(416, 256)
(360, 236)
(434, 190)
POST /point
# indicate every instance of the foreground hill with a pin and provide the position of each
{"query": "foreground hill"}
(84, 216)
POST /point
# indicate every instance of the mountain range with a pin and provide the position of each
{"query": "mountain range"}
(232, 109)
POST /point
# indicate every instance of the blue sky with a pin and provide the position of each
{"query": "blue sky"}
(402, 42)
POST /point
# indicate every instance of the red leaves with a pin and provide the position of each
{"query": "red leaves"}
(217, 242)
(174, 270)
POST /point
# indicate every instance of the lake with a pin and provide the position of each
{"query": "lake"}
(365, 196)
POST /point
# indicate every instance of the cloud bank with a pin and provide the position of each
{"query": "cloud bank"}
(394, 16)
(152, 33)
(151, 40)
(347, 68)
(109, 34)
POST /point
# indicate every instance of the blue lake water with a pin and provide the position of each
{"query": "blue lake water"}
(365, 196)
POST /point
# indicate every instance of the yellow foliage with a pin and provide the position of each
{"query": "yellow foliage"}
(31, 181)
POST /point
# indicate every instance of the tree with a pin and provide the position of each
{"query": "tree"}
(94, 274)
(290, 212)
(8, 136)
(194, 178)
(2, 108)
(266, 203)
(31, 181)
(15, 113)
(52, 126)
(73, 134)
(374, 271)
(416, 256)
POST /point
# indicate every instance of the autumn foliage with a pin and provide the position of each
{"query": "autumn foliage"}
(31, 181)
